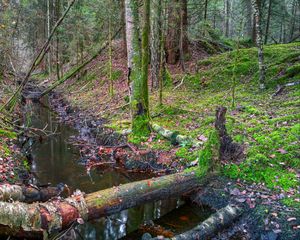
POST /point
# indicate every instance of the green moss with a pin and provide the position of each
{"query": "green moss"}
(205, 62)
(295, 130)
(184, 153)
(291, 201)
(198, 171)
(168, 78)
(210, 154)
(140, 129)
(252, 110)
(8, 134)
(293, 70)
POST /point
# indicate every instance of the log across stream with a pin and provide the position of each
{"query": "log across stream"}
(55, 161)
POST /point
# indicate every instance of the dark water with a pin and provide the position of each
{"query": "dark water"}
(55, 161)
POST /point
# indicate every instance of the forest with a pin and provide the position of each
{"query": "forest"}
(150, 119)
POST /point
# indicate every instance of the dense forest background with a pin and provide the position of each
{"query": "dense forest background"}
(27, 24)
(207, 85)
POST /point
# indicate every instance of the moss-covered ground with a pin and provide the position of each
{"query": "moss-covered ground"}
(267, 125)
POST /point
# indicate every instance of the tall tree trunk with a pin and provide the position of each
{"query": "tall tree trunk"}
(156, 15)
(173, 32)
(268, 21)
(57, 14)
(184, 45)
(227, 17)
(138, 82)
(254, 30)
(205, 9)
(294, 12)
(124, 29)
(259, 42)
(111, 84)
(177, 40)
(48, 35)
(162, 61)
(249, 20)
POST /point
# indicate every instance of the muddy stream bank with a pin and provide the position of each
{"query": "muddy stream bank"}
(58, 160)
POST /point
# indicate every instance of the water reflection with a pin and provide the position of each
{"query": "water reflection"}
(56, 161)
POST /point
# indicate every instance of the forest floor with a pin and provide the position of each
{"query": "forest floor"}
(267, 180)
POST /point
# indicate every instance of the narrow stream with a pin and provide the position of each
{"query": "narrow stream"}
(55, 160)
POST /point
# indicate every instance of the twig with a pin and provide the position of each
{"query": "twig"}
(39, 57)
(179, 83)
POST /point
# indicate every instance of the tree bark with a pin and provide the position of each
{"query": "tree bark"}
(138, 65)
(173, 32)
(177, 40)
(268, 21)
(227, 17)
(184, 45)
(216, 222)
(229, 150)
(124, 29)
(256, 4)
(205, 9)
(57, 14)
(248, 20)
(27, 194)
(156, 25)
(294, 13)
(21, 219)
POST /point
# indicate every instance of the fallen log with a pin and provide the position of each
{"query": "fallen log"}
(28, 194)
(174, 136)
(27, 220)
(215, 223)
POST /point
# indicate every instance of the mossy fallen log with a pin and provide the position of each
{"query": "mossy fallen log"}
(175, 137)
(215, 223)
(27, 220)
(27, 194)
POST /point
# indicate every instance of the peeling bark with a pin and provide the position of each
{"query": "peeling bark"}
(256, 4)
(27, 194)
(21, 219)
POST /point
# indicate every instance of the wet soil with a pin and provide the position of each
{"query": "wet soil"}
(264, 218)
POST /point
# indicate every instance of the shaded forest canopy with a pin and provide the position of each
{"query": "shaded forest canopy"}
(203, 87)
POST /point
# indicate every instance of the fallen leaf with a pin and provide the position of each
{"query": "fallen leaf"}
(235, 192)
(291, 219)
(202, 138)
(241, 200)
(282, 151)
